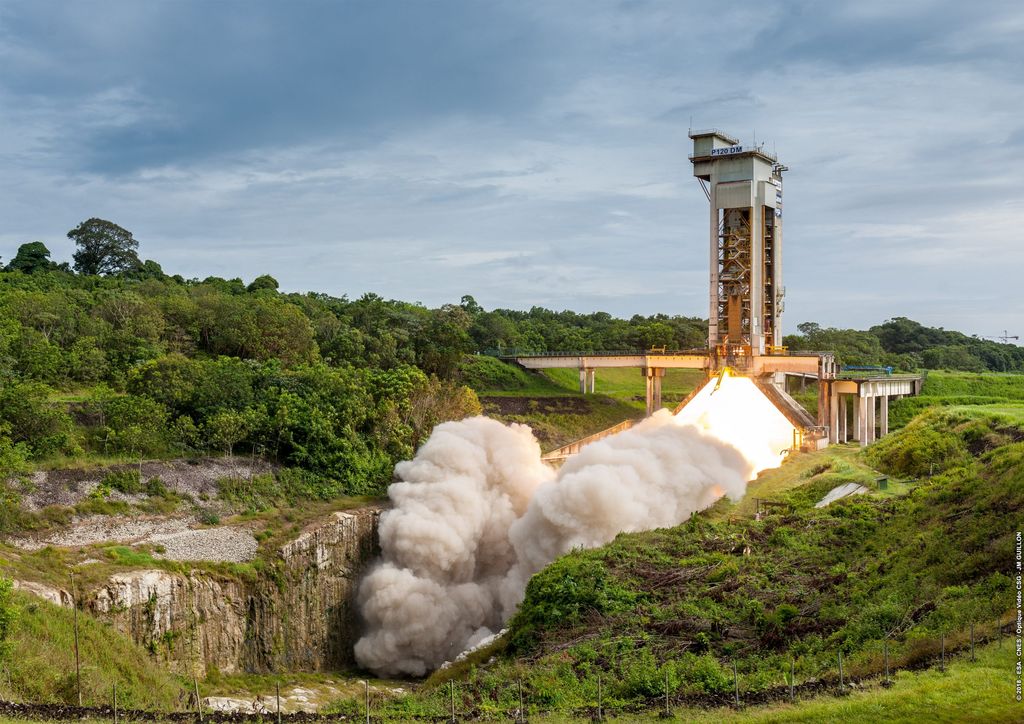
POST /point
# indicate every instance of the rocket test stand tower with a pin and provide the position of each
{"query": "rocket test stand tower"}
(744, 190)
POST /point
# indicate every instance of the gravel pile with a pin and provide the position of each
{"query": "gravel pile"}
(229, 545)
(179, 537)
(192, 477)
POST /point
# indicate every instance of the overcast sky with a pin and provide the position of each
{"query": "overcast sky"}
(529, 152)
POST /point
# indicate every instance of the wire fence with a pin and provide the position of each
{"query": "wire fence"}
(465, 704)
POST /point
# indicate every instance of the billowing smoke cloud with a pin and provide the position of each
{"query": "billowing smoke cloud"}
(477, 513)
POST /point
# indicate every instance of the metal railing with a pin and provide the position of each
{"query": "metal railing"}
(515, 352)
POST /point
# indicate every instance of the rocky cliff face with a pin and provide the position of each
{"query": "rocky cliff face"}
(302, 619)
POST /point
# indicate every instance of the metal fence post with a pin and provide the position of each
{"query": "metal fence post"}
(199, 702)
(668, 710)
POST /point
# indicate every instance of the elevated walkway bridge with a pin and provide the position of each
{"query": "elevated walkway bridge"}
(851, 404)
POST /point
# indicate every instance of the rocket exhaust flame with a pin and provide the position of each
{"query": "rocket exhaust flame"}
(477, 513)
(740, 415)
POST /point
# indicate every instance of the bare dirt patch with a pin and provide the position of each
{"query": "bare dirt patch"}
(527, 405)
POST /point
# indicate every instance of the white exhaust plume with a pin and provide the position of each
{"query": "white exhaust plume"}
(477, 513)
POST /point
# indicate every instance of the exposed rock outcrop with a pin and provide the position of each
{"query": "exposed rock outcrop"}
(56, 596)
(302, 617)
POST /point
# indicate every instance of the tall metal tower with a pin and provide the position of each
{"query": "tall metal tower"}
(744, 189)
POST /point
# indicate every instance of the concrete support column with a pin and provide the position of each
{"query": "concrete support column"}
(822, 402)
(883, 413)
(593, 380)
(858, 410)
(653, 376)
(833, 414)
(863, 420)
(843, 432)
(869, 430)
(583, 380)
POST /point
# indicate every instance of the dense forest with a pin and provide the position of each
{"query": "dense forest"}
(907, 345)
(109, 356)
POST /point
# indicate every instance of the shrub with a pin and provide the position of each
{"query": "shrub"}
(124, 481)
(564, 592)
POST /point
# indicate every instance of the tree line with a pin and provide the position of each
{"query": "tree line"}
(908, 345)
(108, 355)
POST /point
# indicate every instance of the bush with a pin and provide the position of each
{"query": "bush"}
(563, 593)
(489, 373)
(924, 446)
(124, 481)
(31, 419)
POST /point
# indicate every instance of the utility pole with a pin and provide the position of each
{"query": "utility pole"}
(78, 660)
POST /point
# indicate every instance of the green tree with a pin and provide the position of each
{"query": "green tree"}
(135, 424)
(34, 420)
(227, 428)
(434, 401)
(148, 269)
(104, 248)
(31, 258)
(263, 282)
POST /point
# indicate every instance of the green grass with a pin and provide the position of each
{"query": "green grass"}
(550, 401)
(628, 384)
(559, 421)
(489, 376)
(959, 389)
(982, 384)
(828, 468)
(967, 691)
(41, 665)
(1012, 413)
(907, 566)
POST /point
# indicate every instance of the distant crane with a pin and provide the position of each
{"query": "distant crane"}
(1005, 337)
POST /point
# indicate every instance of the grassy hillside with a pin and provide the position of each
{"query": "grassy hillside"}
(943, 388)
(966, 691)
(905, 567)
(550, 401)
(41, 667)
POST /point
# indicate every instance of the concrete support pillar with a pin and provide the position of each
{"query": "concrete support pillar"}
(869, 429)
(844, 435)
(858, 409)
(883, 413)
(653, 376)
(833, 414)
(593, 380)
(583, 380)
(864, 420)
(822, 402)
